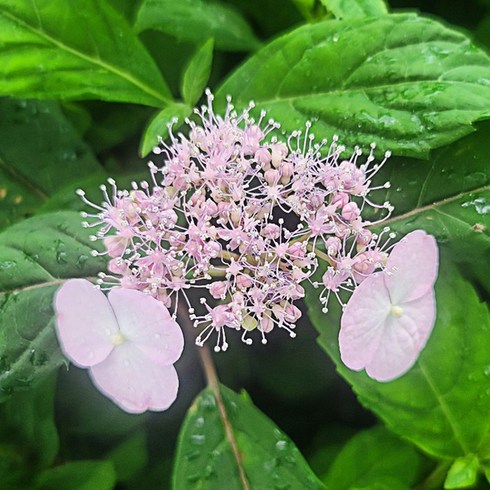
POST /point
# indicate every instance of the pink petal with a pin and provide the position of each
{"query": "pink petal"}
(146, 323)
(362, 322)
(415, 260)
(85, 322)
(134, 382)
(403, 339)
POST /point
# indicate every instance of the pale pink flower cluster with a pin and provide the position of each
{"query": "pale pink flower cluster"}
(243, 218)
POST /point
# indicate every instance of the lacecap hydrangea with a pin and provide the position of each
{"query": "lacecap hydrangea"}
(245, 219)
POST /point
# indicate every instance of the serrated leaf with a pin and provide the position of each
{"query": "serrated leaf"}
(196, 21)
(371, 457)
(197, 73)
(80, 49)
(158, 126)
(40, 152)
(463, 473)
(36, 256)
(347, 9)
(406, 82)
(442, 402)
(78, 475)
(205, 458)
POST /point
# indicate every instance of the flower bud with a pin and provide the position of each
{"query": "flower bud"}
(266, 324)
(279, 151)
(249, 322)
(271, 176)
(351, 211)
(263, 156)
(218, 289)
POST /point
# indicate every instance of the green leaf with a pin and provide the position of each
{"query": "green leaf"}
(196, 21)
(442, 402)
(462, 226)
(447, 196)
(130, 457)
(463, 473)
(40, 152)
(158, 126)
(311, 10)
(78, 475)
(452, 170)
(28, 419)
(347, 9)
(304, 6)
(205, 458)
(13, 471)
(79, 49)
(197, 73)
(406, 82)
(36, 256)
(371, 457)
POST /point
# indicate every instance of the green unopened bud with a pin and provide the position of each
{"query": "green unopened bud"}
(249, 323)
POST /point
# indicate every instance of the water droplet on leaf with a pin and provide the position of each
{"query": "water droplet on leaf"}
(198, 439)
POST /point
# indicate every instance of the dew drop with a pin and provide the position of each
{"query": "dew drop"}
(191, 455)
(281, 445)
(7, 264)
(198, 439)
(194, 478)
(81, 261)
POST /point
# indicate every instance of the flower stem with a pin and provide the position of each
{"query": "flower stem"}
(321, 255)
(214, 385)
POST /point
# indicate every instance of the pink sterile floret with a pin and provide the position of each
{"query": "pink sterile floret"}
(128, 340)
(390, 315)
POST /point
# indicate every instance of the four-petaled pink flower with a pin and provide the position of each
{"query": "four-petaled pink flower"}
(390, 315)
(128, 341)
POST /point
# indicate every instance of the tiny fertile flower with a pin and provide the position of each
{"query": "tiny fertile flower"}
(128, 341)
(390, 315)
(241, 217)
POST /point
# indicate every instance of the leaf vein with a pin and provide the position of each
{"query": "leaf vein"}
(85, 57)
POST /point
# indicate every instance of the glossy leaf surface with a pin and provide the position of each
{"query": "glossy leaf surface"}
(74, 50)
(36, 256)
(403, 81)
(205, 458)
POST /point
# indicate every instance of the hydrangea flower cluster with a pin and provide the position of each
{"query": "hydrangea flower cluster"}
(243, 218)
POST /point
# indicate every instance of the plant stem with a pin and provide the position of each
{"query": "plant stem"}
(213, 383)
(436, 479)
